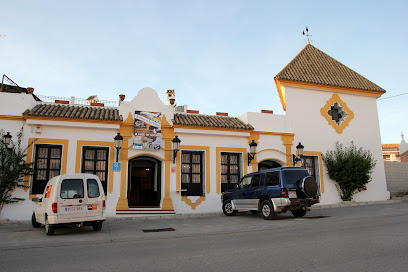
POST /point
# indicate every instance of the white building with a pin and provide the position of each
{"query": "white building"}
(325, 102)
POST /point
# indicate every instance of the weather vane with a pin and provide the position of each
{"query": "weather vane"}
(307, 35)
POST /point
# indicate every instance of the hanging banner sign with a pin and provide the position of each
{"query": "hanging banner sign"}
(147, 133)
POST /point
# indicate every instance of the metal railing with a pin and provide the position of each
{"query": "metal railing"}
(77, 101)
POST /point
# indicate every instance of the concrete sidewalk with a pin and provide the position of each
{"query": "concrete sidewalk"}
(315, 207)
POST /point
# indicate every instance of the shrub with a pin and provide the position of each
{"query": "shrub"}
(350, 167)
(13, 169)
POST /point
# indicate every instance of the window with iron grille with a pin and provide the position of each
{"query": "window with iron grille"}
(192, 173)
(230, 170)
(95, 161)
(47, 164)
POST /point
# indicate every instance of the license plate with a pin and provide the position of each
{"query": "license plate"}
(73, 208)
(292, 194)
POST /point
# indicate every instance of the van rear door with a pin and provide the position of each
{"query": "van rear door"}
(95, 198)
(72, 198)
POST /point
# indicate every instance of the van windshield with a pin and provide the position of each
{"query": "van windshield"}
(294, 178)
(72, 188)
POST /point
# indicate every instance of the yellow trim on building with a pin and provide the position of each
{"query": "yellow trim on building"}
(280, 82)
(318, 154)
(288, 142)
(111, 145)
(324, 112)
(218, 151)
(275, 133)
(167, 132)
(30, 154)
(12, 117)
(281, 92)
(126, 131)
(213, 128)
(190, 203)
(147, 154)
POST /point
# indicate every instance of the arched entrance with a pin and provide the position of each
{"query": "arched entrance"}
(144, 183)
(268, 164)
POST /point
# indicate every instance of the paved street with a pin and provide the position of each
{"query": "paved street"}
(363, 238)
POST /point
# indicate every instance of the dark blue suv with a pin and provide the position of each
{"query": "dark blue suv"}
(273, 191)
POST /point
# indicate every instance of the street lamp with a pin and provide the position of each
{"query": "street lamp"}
(251, 154)
(7, 139)
(176, 147)
(299, 148)
(118, 144)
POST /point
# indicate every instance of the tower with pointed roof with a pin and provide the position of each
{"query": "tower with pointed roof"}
(327, 102)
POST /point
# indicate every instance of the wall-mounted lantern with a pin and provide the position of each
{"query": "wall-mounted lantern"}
(299, 148)
(7, 139)
(118, 144)
(251, 154)
(176, 147)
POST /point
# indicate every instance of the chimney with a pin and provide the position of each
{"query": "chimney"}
(267, 111)
(193, 111)
(222, 113)
(171, 97)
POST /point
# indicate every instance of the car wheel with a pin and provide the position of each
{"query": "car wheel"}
(254, 211)
(97, 226)
(34, 221)
(49, 229)
(299, 213)
(267, 210)
(227, 208)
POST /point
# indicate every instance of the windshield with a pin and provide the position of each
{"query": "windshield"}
(295, 177)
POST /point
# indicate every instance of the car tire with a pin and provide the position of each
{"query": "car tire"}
(49, 229)
(97, 226)
(254, 211)
(227, 208)
(299, 213)
(267, 210)
(34, 221)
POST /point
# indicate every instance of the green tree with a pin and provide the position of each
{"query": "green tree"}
(350, 167)
(13, 169)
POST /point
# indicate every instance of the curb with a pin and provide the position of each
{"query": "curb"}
(190, 215)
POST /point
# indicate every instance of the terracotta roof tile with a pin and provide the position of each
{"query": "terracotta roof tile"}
(314, 66)
(202, 120)
(75, 112)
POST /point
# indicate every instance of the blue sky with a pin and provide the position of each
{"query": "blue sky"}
(217, 55)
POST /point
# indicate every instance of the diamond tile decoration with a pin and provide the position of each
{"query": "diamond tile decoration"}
(337, 114)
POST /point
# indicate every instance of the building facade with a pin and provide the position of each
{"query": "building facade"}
(325, 102)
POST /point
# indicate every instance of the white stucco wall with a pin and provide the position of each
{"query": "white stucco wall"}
(303, 119)
(312, 129)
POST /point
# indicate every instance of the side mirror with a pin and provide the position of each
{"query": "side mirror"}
(236, 186)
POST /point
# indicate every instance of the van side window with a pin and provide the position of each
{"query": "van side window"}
(246, 182)
(256, 181)
(272, 178)
(93, 188)
(72, 188)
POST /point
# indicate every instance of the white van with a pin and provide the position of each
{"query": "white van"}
(71, 199)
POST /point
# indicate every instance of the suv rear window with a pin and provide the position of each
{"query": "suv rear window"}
(72, 188)
(295, 177)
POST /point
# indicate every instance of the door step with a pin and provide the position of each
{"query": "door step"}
(134, 211)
